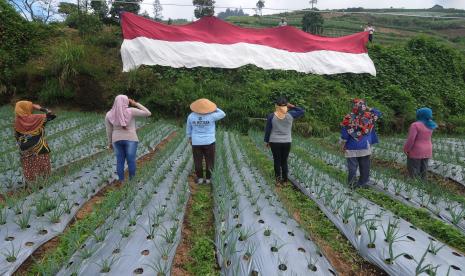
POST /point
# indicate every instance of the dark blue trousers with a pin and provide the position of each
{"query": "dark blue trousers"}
(362, 163)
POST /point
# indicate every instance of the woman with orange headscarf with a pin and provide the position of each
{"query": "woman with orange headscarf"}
(30, 137)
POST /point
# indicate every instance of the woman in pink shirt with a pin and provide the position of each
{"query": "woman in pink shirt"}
(418, 147)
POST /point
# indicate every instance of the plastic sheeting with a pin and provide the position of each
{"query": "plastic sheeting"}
(448, 170)
(70, 147)
(334, 199)
(245, 210)
(352, 215)
(449, 211)
(164, 189)
(69, 195)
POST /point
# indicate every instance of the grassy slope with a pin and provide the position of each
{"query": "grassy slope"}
(391, 29)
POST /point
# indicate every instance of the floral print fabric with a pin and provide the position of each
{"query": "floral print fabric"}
(360, 121)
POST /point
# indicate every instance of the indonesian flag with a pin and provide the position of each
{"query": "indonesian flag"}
(211, 42)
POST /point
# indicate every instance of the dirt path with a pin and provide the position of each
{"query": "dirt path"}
(86, 210)
(182, 252)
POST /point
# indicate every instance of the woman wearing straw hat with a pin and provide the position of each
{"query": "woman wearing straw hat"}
(278, 135)
(201, 133)
(30, 137)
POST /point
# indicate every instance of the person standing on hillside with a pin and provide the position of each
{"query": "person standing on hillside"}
(30, 137)
(278, 135)
(357, 136)
(371, 30)
(201, 132)
(418, 147)
(120, 124)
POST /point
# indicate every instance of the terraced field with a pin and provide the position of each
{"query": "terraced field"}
(78, 222)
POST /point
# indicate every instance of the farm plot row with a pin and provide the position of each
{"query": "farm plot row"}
(446, 164)
(382, 238)
(141, 236)
(70, 145)
(254, 233)
(28, 222)
(413, 193)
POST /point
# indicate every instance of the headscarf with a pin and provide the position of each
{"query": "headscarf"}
(425, 115)
(120, 115)
(25, 121)
(360, 121)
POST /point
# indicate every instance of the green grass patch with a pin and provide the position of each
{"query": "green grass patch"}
(200, 219)
(310, 217)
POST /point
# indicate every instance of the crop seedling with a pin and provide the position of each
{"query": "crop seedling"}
(126, 232)
(251, 249)
(23, 220)
(11, 254)
(420, 268)
(391, 236)
(276, 246)
(55, 215)
(457, 213)
(169, 235)
(86, 253)
(434, 248)
(346, 212)
(371, 230)
(3, 216)
(245, 234)
(105, 265)
(160, 267)
(165, 251)
(311, 262)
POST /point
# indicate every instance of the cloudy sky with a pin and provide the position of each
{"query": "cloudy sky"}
(187, 12)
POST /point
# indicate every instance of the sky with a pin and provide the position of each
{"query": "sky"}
(188, 12)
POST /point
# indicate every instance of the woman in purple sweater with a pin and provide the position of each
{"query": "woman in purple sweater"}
(418, 147)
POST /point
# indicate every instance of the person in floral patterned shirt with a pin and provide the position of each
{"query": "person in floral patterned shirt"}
(358, 134)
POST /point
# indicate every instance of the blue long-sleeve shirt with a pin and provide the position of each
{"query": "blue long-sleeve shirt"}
(201, 127)
(279, 131)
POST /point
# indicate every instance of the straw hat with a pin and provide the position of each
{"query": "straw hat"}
(203, 106)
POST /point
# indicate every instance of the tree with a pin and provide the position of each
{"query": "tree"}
(67, 8)
(230, 12)
(157, 9)
(204, 8)
(36, 10)
(313, 2)
(100, 8)
(128, 5)
(312, 22)
(260, 5)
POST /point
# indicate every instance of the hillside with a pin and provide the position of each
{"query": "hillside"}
(80, 67)
(392, 25)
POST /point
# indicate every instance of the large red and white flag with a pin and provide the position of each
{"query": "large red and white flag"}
(211, 42)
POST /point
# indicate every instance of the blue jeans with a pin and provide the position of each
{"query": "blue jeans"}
(125, 151)
(359, 162)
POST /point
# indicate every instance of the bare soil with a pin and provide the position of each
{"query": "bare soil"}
(182, 252)
(84, 211)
